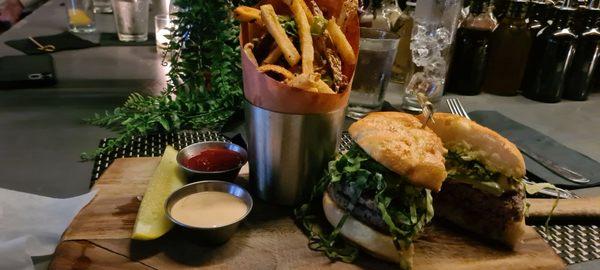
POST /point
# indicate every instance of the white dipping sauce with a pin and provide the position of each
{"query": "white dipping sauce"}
(208, 209)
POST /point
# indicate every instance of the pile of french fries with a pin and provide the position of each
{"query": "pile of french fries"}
(306, 51)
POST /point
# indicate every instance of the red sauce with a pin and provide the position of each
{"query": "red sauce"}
(212, 160)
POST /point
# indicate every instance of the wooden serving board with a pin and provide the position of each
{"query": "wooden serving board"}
(98, 238)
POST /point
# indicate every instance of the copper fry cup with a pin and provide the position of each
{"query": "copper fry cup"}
(292, 133)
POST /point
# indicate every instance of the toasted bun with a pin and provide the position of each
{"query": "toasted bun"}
(377, 244)
(495, 152)
(397, 141)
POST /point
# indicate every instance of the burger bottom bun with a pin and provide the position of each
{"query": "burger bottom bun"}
(377, 244)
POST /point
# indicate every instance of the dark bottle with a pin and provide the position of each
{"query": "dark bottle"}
(500, 8)
(551, 55)
(509, 48)
(580, 75)
(468, 63)
(537, 17)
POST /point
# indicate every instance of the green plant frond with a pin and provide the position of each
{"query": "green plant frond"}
(205, 78)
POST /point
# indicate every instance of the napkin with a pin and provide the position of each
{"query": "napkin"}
(63, 41)
(544, 146)
(32, 225)
(111, 39)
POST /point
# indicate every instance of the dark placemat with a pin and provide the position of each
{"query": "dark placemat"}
(61, 42)
(574, 243)
(524, 136)
(26, 71)
(111, 39)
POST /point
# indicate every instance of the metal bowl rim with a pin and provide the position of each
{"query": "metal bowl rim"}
(168, 213)
(244, 154)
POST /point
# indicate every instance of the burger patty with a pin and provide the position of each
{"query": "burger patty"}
(365, 209)
(478, 208)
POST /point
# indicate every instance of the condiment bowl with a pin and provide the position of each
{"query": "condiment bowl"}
(197, 148)
(214, 235)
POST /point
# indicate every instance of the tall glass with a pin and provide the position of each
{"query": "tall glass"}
(163, 27)
(373, 71)
(131, 19)
(435, 24)
(80, 15)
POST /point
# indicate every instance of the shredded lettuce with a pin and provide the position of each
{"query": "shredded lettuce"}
(404, 208)
(462, 168)
(458, 164)
(533, 188)
(289, 25)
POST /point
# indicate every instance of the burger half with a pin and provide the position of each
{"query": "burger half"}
(378, 193)
(484, 192)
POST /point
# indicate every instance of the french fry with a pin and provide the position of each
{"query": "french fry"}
(248, 49)
(306, 43)
(247, 14)
(323, 87)
(305, 82)
(311, 83)
(269, 18)
(273, 56)
(348, 7)
(316, 9)
(277, 69)
(309, 15)
(341, 43)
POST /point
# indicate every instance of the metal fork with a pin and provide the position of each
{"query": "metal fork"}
(457, 108)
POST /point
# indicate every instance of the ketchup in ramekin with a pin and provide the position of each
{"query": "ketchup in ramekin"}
(214, 160)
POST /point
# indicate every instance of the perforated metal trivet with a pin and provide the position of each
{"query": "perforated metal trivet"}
(151, 146)
(574, 243)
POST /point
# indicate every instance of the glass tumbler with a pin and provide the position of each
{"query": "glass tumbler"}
(131, 19)
(163, 26)
(80, 15)
(373, 71)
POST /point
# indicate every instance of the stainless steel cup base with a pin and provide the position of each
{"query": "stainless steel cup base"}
(288, 153)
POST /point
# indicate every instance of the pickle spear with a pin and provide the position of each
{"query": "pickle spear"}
(151, 221)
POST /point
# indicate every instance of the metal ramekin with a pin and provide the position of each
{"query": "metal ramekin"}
(195, 149)
(211, 236)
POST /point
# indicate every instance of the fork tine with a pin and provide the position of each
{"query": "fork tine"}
(462, 109)
(456, 108)
(451, 105)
